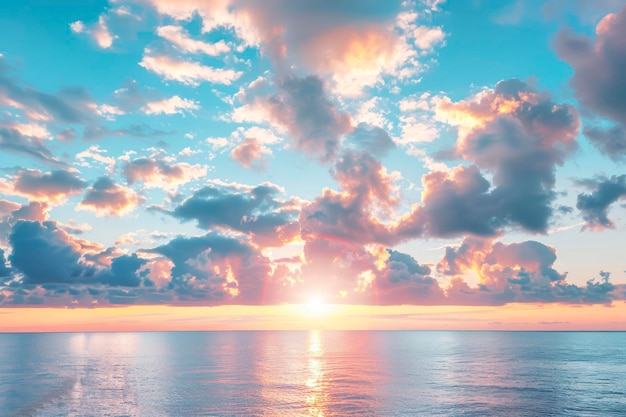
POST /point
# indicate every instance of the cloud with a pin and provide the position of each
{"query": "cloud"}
(11, 140)
(404, 281)
(69, 105)
(53, 186)
(303, 110)
(598, 76)
(255, 211)
(594, 206)
(45, 254)
(99, 31)
(216, 269)
(159, 173)
(125, 271)
(186, 72)
(106, 198)
(169, 106)
(92, 133)
(351, 44)
(610, 141)
(515, 272)
(371, 139)
(251, 154)
(181, 39)
(520, 137)
(356, 213)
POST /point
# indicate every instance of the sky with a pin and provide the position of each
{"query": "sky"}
(215, 164)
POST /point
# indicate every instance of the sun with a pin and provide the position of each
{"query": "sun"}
(316, 307)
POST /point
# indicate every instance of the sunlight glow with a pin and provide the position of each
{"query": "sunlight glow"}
(316, 307)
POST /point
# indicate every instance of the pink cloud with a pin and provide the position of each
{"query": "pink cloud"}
(251, 154)
(159, 173)
(53, 187)
(106, 198)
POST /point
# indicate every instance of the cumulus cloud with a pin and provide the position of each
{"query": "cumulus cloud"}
(598, 80)
(155, 172)
(255, 211)
(44, 254)
(302, 109)
(53, 186)
(251, 154)
(515, 272)
(520, 137)
(106, 198)
(354, 213)
(186, 72)
(351, 44)
(216, 269)
(595, 205)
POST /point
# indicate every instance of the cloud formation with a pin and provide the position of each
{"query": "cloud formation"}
(106, 198)
(255, 211)
(598, 77)
(594, 206)
(53, 186)
(155, 172)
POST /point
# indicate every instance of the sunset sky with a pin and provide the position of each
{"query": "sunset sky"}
(216, 164)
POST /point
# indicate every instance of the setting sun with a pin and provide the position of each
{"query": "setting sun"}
(316, 307)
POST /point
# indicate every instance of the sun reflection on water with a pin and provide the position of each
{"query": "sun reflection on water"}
(317, 383)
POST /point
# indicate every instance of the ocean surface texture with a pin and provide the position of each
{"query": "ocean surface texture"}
(361, 373)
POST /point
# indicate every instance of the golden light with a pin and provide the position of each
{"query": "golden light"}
(316, 307)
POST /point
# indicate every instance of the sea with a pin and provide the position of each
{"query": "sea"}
(313, 373)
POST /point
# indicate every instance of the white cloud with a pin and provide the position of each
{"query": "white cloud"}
(172, 105)
(186, 72)
(181, 39)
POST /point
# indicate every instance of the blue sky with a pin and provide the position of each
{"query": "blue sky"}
(419, 152)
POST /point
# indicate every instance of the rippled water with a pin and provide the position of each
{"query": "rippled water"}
(370, 373)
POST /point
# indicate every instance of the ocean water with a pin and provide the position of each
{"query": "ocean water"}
(316, 373)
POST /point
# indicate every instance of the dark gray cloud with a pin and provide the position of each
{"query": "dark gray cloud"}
(598, 65)
(309, 115)
(253, 210)
(124, 272)
(598, 77)
(610, 141)
(594, 206)
(523, 136)
(42, 253)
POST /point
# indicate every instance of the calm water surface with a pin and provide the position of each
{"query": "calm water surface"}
(368, 373)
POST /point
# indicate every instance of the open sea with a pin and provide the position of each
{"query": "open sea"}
(314, 373)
